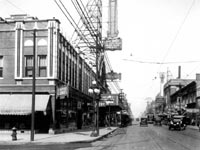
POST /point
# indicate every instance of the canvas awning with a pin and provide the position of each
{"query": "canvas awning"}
(21, 104)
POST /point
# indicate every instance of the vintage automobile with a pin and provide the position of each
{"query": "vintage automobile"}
(177, 122)
(157, 121)
(143, 121)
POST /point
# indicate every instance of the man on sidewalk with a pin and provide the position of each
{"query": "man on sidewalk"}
(198, 125)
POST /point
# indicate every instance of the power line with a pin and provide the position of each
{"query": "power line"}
(174, 39)
(160, 63)
(178, 31)
(16, 6)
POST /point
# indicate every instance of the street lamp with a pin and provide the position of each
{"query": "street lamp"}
(95, 91)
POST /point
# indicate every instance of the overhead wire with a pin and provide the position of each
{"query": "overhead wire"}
(16, 6)
(89, 7)
(177, 32)
(160, 63)
(72, 21)
(84, 17)
(174, 40)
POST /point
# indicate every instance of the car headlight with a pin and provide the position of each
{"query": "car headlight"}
(171, 122)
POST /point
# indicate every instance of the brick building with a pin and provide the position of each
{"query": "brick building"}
(62, 101)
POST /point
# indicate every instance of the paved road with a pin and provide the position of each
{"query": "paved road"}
(130, 138)
(149, 138)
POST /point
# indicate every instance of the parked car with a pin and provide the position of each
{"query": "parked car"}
(143, 121)
(177, 122)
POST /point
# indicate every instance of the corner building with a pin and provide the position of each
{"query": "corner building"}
(62, 101)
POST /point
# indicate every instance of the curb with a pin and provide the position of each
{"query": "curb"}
(193, 128)
(96, 139)
(38, 142)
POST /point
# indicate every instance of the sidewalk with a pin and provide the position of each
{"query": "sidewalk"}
(72, 137)
(193, 127)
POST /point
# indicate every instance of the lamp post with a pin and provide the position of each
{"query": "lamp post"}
(95, 91)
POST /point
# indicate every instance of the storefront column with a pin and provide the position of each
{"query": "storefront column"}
(53, 125)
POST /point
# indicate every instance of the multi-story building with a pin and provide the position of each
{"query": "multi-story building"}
(62, 76)
(170, 88)
(187, 99)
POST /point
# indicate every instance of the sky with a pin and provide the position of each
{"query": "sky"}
(157, 37)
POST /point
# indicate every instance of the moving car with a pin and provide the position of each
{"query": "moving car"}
(157, 120)
(150, 118)
(178, 122)
(143, 121)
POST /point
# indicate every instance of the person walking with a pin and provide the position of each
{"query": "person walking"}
(198, 124)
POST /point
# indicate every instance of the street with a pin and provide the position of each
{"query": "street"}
(130, 138)
(150, 138)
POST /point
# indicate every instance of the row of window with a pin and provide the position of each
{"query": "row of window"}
(41, 66)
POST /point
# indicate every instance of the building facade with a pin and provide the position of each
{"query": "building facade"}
(170, 88)
(62, 101)
(187, 100)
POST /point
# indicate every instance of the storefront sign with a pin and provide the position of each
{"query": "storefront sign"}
(63, 91)
(111, 98)
(192, 110)
(160, 100)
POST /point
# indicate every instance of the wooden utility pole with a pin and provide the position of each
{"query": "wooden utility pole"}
(33, 88)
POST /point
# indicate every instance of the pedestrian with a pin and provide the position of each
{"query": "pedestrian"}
(198, 124)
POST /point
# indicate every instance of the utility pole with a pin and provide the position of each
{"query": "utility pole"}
(33, 88)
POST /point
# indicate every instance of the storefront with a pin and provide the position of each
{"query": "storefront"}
(16, 109)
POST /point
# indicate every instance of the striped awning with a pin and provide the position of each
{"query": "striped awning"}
(21, 104)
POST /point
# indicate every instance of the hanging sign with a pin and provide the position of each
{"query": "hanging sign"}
(113, 76)
(113, 44)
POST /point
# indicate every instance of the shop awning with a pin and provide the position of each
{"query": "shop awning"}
(21, 104)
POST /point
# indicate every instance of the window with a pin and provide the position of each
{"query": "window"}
(28, 66)
(42, 42)
(1, 66)
(42, 66)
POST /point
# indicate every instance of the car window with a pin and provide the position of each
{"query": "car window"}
(176, 119)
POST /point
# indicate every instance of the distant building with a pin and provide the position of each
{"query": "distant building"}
(187, 99)
(171, 87)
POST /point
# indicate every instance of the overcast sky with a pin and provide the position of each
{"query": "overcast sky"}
(152, 31)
